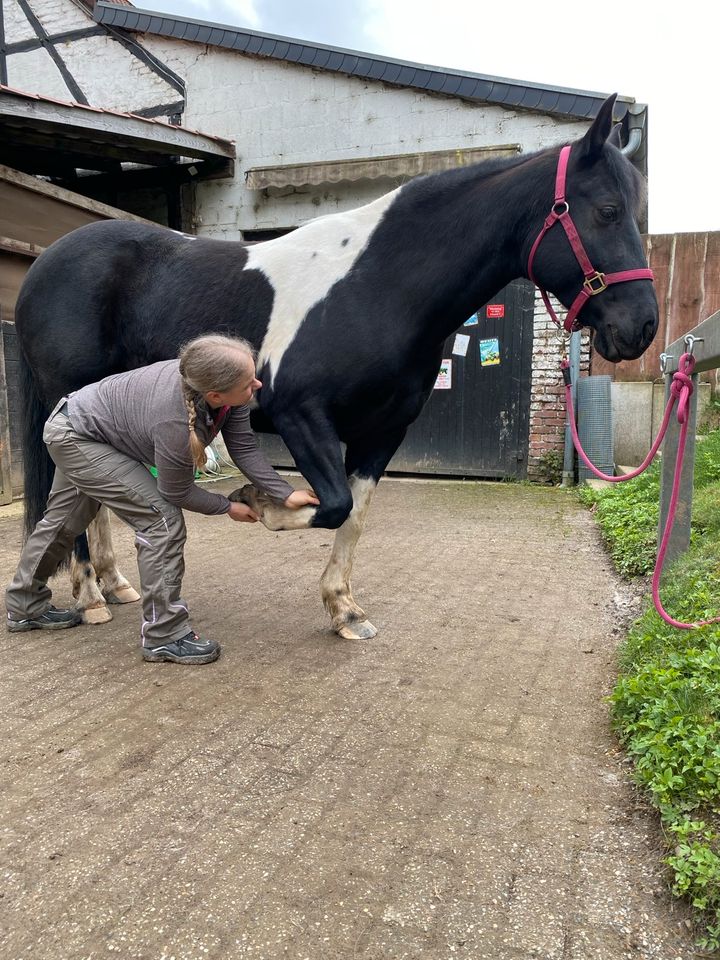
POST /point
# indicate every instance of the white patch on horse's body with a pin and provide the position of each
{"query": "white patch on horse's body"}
(304, 265)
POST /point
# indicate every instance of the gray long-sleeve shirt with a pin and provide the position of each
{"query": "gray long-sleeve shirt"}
(142, 413)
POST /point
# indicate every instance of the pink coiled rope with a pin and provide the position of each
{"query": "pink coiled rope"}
(680, 392)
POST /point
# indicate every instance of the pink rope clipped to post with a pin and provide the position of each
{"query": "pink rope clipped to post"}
(680, 392)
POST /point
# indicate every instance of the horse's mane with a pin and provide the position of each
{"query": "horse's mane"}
(628, 181)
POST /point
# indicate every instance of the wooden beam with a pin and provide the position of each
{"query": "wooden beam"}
(66, 196)
(124, 130)
(21, 248)
(5, 456)
(136, 179)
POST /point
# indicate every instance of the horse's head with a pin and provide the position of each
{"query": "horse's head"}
(603, 195)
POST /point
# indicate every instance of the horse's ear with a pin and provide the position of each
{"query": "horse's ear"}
(615, 137)
(590, 147)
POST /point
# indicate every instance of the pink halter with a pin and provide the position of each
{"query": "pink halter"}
(594, 282)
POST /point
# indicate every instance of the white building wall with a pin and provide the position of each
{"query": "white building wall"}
(109, 75)
(15, 23)
(36, 72)
(283, 113)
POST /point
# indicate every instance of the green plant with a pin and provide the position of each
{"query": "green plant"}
(550, 466)
(666, 703)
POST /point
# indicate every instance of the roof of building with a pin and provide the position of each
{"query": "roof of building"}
(46, 136)
(224, 148)
(477, 87)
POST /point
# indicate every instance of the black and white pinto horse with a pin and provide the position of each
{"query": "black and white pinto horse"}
(349, 315)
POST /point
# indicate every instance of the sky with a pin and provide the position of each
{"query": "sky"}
(661, 55)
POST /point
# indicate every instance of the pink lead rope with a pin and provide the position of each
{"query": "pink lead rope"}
(594, 283)
(681, 391)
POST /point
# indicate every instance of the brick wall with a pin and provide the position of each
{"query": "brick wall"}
(547, 395)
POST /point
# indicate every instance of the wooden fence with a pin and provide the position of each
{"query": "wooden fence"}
(687, 284)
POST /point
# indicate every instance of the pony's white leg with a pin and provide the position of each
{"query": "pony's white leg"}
(272, 513)
(116, 588)
(86, 591)
(348, 620)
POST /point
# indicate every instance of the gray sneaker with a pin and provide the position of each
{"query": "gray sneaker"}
(52, 619)
(189, 649)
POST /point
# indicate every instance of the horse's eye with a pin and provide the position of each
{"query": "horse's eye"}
(608, 213)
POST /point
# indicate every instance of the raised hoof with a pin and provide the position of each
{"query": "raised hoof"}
(121, 595)
(96, 615)
(359, 630)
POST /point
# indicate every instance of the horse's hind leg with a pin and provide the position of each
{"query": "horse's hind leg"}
(94, 560)
(348, 620)
(116, 588)
(85, 587)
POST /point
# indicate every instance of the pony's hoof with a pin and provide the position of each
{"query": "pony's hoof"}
(121, 595)
(359, 630)
(96, 614)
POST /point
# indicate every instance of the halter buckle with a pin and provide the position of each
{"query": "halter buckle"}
(595, 284)
(560, 212)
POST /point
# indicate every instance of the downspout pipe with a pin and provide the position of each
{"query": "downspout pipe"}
(568, 474)
(634, 141)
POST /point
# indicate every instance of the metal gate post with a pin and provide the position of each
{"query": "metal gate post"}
(680, 537)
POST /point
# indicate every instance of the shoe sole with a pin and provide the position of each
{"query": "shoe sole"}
(149, 657)
(26, 627)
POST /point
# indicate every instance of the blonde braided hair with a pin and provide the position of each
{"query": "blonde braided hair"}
(210, 362)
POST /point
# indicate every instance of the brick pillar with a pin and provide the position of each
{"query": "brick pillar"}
(547, 394)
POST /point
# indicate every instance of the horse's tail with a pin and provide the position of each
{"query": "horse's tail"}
(38, 468)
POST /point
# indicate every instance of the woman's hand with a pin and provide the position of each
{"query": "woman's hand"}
(302, 498)
(242, 513)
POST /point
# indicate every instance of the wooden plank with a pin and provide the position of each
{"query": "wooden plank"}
(31, 250)
(103, 210)
(5, 455)
(13, 268)
(686, 294)
(659, 252)
(711, 288)
(93, 124)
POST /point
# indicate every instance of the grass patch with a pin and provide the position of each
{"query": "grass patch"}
(666, 703)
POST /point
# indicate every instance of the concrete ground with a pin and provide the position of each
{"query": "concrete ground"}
(451, 789)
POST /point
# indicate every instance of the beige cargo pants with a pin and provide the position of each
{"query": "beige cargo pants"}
(87, 475)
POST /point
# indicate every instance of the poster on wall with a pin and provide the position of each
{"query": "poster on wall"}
(489, 353)
(444, 377)
(495, 310)
(471, 321)
(460, 347)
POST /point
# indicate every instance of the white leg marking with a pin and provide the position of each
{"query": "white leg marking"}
(87, 593)
(116, 588)
(348, 620)
(304, 265)
(273, 514)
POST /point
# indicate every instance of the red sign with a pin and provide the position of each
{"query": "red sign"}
(495, 310)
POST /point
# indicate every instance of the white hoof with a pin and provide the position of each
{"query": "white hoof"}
(96, 614)
(121, 595)
(359, 630)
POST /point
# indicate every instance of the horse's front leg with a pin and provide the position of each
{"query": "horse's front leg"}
(316, 450)
(348, 620)
(365, 463)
